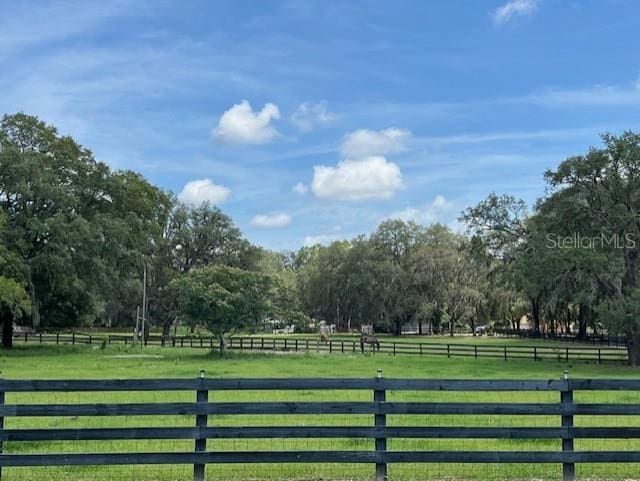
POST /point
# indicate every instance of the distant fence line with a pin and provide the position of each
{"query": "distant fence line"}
(617, 341)
(379, 408)
(282, 344)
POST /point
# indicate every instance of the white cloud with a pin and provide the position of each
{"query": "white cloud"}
(438, 210)
(597, 95)
(369, 178)
(309, 115)
(512, 9)
(301, 188)
(321, 239)
(241, 125)
(364, 143)
(279, 219)
(204, 190)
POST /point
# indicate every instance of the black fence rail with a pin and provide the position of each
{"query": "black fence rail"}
(378, 430)
(603, 340)
(559, 353)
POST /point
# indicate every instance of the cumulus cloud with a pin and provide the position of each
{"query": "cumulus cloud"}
(310, 115)
(321, 239)
(241, 125)
(512, 9)
(204, 190)
(364, 143)
(301, 188)
(279, 219)
(438, 210)
(353, 180)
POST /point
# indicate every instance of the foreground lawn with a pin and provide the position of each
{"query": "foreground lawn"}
(73, 362)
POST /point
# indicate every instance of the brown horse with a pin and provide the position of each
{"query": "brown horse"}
(371, 340)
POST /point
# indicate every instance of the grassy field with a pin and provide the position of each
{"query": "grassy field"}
(118, 362)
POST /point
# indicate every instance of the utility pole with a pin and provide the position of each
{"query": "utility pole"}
(144, 304)
(137, 330)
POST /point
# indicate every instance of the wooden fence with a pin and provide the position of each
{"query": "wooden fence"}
(378, 408)
(559, 353)
(616, 341)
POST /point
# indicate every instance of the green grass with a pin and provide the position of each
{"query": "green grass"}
(75, 362)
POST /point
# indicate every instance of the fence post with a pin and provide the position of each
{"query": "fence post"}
(505, 353)
(566, 397)
(202, 396)
(379, 396)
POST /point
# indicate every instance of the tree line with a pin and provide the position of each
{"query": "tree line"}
(77, 236)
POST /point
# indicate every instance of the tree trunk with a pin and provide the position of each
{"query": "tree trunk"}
(7, 331)
(535, 312)
(166, 327)
(223, 344)
(398, 327)
(583, 318)
(633, 349)
(630, 261)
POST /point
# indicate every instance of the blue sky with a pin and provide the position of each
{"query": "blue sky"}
(310, 121)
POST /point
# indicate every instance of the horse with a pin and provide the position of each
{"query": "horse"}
(371, 340)
(324, 337)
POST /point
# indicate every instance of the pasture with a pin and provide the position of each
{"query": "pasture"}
(74, 362)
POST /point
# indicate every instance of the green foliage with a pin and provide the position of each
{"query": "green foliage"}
(14, 301)
(622, 312)
(80, 229)
(224, 298)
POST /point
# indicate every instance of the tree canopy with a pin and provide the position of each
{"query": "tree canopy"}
(78, 237)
